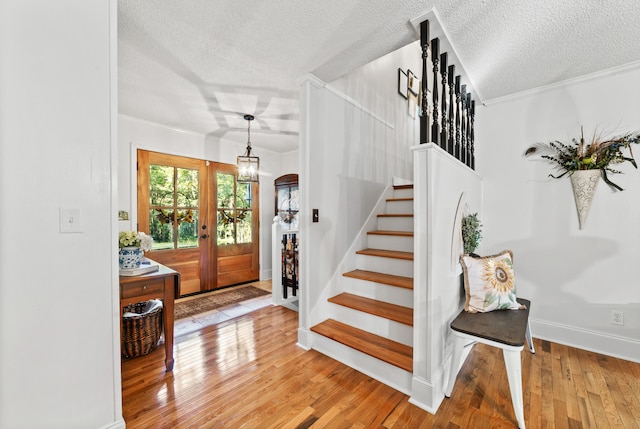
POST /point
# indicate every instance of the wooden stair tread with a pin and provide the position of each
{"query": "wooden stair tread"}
(387, 279)
(403, 186)
(395, 215)
(386, 310)
(386, 350)
(399, 199)
(396, 233)
(396, 254)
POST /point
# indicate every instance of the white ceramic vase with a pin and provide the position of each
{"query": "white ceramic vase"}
(584, 183)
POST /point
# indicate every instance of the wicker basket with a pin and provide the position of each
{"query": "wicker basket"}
(141, 328)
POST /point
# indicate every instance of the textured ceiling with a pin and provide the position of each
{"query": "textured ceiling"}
(200, 65)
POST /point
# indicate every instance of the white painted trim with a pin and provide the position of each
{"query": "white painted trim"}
(422, 204)
(312, 80)
(320, 84)
(357, 105)
(443, 154)
(424, 395)
(266, 274)
(156, 124)
(304, 224)
(115, 273)
(567, 82)
(119, 424)
(399, 181)
(436, 29)
(586, 339)
(304, 339)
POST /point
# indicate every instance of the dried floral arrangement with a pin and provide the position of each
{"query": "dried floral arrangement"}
(601, 153)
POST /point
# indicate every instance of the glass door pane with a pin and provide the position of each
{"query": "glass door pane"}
(173, 207)
(234, 210)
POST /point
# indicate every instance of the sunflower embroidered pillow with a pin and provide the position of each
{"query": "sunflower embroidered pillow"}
(489, 283)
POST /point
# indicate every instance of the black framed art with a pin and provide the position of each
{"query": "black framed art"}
(403, 83)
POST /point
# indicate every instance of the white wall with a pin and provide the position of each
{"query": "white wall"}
(137, 134)
(59, 332)
(573, 277)
(356, 135)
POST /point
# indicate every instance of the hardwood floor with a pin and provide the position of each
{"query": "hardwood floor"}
(248, 373)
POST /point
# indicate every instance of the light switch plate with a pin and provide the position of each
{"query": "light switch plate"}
(70, 220)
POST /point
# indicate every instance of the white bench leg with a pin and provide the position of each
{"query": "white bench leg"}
(458, 348)
(529, 339)
(514, 375)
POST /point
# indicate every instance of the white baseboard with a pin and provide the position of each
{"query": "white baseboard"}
(598, 342)
(425, 395)
(118, 424)
(265, 275)
(304, 339)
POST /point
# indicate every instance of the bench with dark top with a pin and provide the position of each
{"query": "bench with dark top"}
(506, 329)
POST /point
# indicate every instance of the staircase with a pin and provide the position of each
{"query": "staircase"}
(371, 321)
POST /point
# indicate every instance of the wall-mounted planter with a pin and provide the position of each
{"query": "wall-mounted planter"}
(584, 183)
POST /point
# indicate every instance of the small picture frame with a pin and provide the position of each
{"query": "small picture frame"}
(403, 83)
(413, 83)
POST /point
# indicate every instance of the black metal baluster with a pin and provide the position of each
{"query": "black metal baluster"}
(443, 108)
(435, 128)
(424, 107)
(294, 265)
(451, 142)
(463, 123)
(473, 136)
(284, 266)
(457, 151)
(468, 139)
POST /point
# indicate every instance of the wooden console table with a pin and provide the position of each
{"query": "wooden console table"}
(163, 284)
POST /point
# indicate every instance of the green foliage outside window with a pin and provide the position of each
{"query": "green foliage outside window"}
(234, 210)
(174, 200)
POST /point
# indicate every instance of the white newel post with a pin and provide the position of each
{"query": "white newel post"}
(277, 288)
(276, 262)
(422, 387)
(439, 182)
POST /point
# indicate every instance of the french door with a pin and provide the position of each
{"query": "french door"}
(205, 224)
(237, 228)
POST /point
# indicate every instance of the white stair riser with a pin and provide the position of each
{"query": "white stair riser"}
(388, 374)
(395, 223)
(399, 207)
(378, 291)
(390, 242)
(397, 267)
(380, 326)
(402, 193)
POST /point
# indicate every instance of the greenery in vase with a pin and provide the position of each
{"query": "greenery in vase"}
(135, 239)
(599, 154)
(471, 232)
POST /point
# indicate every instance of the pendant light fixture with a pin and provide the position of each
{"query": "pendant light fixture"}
(248, 165)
